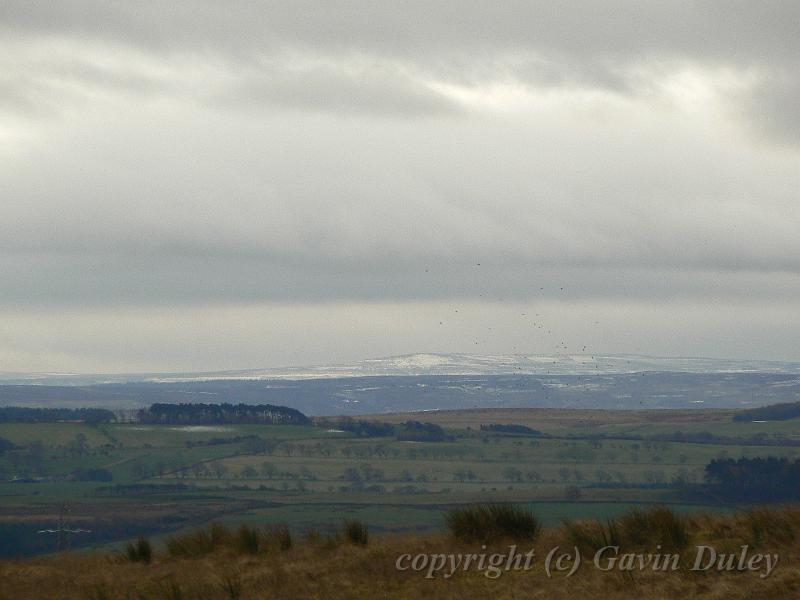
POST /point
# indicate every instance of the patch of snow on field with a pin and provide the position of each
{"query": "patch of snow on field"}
(201, 428)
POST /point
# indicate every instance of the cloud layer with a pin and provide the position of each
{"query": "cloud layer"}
(199, 155)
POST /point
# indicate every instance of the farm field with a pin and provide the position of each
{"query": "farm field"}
(124, 479)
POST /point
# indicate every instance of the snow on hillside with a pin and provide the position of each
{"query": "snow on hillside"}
(444, 364)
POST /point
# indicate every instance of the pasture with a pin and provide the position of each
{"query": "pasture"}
(161, 478)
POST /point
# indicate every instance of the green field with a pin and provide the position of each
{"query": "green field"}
(165, 478)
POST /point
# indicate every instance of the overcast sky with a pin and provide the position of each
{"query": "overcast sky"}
(209, 185)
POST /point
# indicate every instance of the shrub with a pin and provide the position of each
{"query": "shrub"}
(487, 522)
(355, 532)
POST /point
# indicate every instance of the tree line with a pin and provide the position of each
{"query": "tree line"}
(20, 414)
(767, 479)
(359, 428)
(414, 431)
(217, 414)
(510, 429)
(773, 412)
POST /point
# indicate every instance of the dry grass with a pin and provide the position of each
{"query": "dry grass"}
(320, 567)
(218, 538)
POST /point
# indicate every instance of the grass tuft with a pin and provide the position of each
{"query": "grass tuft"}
(656, 526)
(638, 529)
(231, 585)
(245, 540)
(191, 545)
(355, 532)
(312, 536)
(489, 522)
(248, 540)
(98, 591)
(139, 551)
(281, 537)
(767, 525)
(590, 536)
(172, 591)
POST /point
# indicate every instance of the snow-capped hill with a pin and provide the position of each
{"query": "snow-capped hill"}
(506, 364)
(443, 364)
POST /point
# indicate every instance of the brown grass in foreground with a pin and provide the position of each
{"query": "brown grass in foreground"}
(331, 567)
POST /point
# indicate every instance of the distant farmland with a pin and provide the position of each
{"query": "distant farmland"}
(161, 478)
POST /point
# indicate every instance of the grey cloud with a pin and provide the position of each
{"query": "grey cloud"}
(366, 155)
(313, 194)
(385, 91)
(351, 85)
(716, 28)
(15, 100)
(771, 108)
(96, 281)
(578, 43)
(50, 92)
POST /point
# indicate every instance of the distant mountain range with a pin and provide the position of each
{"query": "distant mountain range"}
(436, 364)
